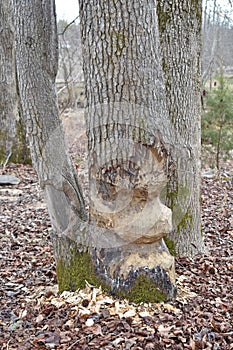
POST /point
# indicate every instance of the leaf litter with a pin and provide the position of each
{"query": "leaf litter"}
(33, 315)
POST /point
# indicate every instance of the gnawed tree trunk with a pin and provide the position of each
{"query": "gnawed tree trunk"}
(12, 138)
(129, 141)
(180, 34)
(136, 264)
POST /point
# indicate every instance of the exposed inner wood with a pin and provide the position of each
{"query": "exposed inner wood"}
(125, 196)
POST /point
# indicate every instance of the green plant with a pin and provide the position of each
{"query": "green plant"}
(217, 120)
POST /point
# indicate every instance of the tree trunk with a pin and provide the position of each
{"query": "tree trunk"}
(180, 36)
(129, 143)
(37, 56)
(12, 137)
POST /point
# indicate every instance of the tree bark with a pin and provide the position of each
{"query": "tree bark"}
(134, 143)
(180, 37)
(37, 59)
(129, 143)
(12, 137)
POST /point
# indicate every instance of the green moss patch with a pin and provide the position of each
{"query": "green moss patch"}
(170, 245)
(186, 222)
(73, 274)
(181, 219)
(144, 290)
(19, 149)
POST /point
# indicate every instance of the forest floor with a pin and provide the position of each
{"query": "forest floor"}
(34, 316)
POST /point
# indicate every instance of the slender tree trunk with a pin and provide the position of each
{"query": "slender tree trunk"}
(37, 56)
(12, 137)
(218, 146)
(180, 34)
(129, 144)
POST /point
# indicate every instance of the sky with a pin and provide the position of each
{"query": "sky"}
(67, 9)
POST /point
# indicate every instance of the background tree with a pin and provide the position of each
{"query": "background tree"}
(180, 34)
(217, 70)
(217, 120)
(216, 39)
(70, 73)
(12, 137)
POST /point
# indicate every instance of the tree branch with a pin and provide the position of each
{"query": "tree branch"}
(68, 25)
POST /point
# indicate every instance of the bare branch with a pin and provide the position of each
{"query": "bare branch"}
(7, 160)
(68, 25)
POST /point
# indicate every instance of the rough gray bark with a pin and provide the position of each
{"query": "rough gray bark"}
(37, 56)
(180, 34)
(12, 138)
(129, 141)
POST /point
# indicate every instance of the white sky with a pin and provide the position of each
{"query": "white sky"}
(67, 9)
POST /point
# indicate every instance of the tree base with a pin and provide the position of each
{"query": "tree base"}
(138, 272)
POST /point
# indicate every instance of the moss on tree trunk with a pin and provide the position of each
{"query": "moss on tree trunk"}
(72, 274)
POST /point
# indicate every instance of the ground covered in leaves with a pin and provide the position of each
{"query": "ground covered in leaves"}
(34, 316)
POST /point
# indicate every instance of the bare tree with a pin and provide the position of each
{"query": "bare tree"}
(180, 34)
(216, 40)
(37, 61)
(70, 73)
(12, 136)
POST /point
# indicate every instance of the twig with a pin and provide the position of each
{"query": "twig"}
(7, 345)
(76, 342)
(77, 77)
(226, 334)
(7, 160)
(67, 26)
